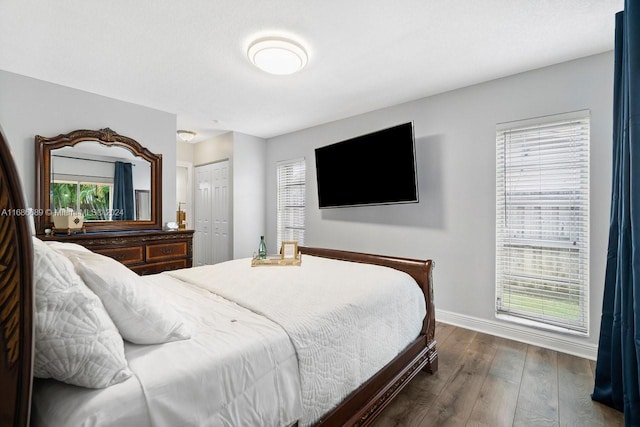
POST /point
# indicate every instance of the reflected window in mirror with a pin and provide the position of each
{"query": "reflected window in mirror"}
(93, 199)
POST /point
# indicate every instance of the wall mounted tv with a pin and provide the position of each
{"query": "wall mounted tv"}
(373, 169)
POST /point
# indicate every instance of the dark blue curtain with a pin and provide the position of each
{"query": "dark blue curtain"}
(123, 208)
(616, 382)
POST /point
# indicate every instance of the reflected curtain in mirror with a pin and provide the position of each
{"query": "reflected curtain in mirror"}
(123, 207)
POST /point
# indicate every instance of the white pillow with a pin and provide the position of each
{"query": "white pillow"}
(66, 248)
(141, 315)
(76, 341)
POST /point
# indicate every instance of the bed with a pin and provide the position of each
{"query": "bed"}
(287, 363)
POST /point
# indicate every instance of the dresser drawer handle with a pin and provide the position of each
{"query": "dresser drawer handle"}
(119, 257)
(166, 251)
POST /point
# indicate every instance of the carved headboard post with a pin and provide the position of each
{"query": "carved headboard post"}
(16, 297)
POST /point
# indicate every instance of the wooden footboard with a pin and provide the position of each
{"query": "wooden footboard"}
(367, 402)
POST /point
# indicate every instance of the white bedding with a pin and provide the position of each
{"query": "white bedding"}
(293, 344)
(346, 320)
(202, 381)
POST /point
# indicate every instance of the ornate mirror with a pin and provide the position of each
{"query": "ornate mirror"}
(112, 180)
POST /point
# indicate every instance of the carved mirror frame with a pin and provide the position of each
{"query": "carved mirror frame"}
(45, 145)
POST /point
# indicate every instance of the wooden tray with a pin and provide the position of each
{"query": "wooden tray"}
(276, 260)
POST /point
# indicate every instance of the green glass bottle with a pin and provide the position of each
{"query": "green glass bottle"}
(262, 249)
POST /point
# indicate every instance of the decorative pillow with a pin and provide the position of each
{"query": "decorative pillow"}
(76, 341)
(141, 315)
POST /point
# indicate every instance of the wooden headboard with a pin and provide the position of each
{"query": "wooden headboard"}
(16, 296)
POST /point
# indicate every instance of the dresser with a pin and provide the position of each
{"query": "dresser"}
(145, 252)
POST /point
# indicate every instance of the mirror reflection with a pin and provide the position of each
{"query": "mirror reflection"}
(104, 183)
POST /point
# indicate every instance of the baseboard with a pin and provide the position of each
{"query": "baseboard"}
(519, 333)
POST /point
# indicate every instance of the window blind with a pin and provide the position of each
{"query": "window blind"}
(542, 222)
(291, 201)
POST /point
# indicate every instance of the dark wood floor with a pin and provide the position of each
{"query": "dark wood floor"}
(490, 381)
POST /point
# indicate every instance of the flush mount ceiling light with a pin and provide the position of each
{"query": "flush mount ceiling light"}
(186, 135)
(277, 55)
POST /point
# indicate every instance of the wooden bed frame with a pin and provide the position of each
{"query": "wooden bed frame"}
(16, 297)
(16, 319)
(364, 405)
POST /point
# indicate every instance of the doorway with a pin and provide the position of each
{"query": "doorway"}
(184, 192)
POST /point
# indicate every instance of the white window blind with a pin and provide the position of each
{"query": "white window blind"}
(542, 222)
(291, 201)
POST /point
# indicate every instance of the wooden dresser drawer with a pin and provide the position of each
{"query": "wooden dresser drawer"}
(145, 252)
(127, 256)
(159, 267)
(160, 251)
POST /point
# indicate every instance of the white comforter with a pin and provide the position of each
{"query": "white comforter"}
(346, 320)
(239, 368)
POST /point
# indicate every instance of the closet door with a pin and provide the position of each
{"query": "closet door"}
(212, 214)
(203, 250)
(221, 212)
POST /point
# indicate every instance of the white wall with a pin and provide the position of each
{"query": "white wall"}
(454, 223)
(249, 202)
(218, 148)
(184, 151)
(30, 107)
(141, 175)
(76, 168)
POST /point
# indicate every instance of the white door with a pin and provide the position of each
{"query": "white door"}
(202, 253)
(212, 214)
(221, 212)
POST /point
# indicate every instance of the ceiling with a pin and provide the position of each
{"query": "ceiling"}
(189, 57)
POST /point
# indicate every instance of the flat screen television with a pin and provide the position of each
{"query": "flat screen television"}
(373, 169)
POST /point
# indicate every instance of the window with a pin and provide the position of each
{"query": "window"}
(93, 199)
(291, 201)
(542, 222)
